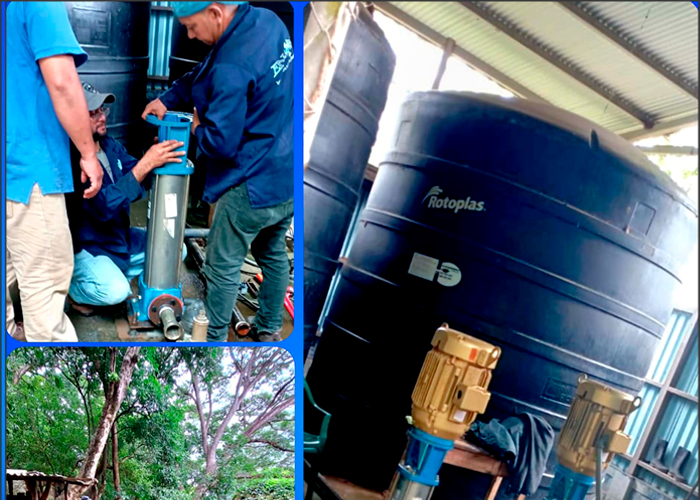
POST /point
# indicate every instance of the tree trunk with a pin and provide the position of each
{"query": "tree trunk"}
(113, 400)
(115, 461)
(250, 374)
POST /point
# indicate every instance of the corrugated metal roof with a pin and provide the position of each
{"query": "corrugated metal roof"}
(19, 474)
(659, 484)
(679, 427)
(667, 31)
(640, 418)
(160, 40)
(669, 346)
(688, 379)
(649, 25)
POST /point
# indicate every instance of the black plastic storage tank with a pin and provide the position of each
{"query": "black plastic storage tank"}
(518, 223)
(115, 36)
(346, 131)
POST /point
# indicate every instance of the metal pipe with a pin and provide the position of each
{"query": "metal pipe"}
(410, 490)
(190, 232)
(167, 207)
(196, 252)
(692, 490)
(598, 473)
(171, 328)
(242, 327)
(197, 232)
(447, 52)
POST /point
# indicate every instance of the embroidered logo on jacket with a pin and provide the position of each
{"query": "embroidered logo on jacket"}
(283, 62)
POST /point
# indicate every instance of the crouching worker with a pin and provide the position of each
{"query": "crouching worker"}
(108, 251)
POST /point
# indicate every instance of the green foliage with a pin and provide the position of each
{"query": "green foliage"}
(55, 397)
(273, 484)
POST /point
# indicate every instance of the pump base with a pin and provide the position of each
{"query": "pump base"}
(144, 310)
(569, 485)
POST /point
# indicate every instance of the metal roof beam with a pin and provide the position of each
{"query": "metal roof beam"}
(646, 57)
(669, 150)
(661, 128)
(433, 36)
(551, 56)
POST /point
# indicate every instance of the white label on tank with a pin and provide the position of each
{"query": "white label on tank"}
(170, 205)
(459, 416)
(449, 274)
(423, 266)
(169, 225)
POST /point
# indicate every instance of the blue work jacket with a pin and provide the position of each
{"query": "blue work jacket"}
(101, 224)
(243, 92)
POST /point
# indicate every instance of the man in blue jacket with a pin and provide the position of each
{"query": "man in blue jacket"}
(108, 252)
(242, 97)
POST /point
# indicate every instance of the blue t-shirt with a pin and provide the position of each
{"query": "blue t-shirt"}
(37, 147)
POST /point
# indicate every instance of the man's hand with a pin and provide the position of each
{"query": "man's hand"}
(195, 121)
(154, 108)
(157, 156)
(90, 168)
(162, 153)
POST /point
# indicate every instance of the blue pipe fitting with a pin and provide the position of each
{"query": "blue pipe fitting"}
(174, 126)
(148, 295)
(424, 457)
(569, 485)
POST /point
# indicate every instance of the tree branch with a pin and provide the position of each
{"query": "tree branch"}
(273, 444)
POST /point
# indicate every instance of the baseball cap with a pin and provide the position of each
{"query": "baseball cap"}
(185, 9)
(94, 98)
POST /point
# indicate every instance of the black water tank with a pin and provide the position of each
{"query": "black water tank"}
(520, 224)
(338, 157)
(115, 36)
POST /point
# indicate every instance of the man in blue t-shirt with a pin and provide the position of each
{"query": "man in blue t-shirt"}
(242, 97)
(45, 108)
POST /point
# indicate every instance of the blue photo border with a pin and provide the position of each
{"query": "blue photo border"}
(293, 344)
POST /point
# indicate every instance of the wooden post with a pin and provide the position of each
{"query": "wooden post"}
(31, 488)
(493, 489)
(44, 490)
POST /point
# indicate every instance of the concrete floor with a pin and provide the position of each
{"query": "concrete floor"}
(110, 323)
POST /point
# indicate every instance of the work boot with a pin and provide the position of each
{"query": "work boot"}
(82, 309)
(659, 453)
(262, 336)
(679, 463)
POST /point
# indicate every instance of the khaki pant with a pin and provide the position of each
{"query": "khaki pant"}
(39, 257)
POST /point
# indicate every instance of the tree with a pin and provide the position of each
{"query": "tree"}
(260, 386)
(114, 395)
(64, 404)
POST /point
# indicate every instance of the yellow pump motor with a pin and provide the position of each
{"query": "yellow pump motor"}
(452, 387)
(597, 416)
(590, 438)
(450, 392)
